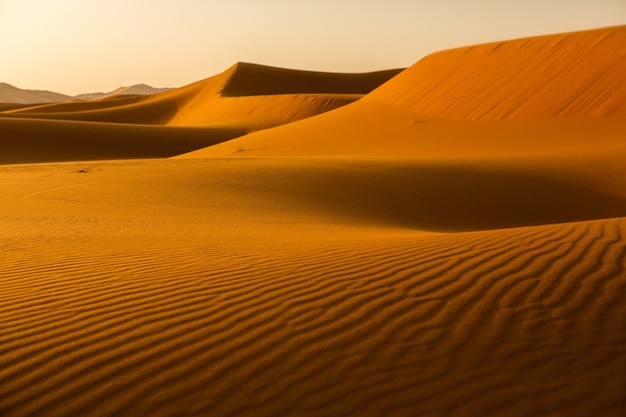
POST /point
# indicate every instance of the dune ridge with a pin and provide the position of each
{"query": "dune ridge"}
(564, 75)
(78, 105)
(133, 90)
(288, 96)
(452, 99)
(40, 140)
(10, 94)
(182, 112)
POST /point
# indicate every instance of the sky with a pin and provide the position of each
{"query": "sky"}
(81, 46)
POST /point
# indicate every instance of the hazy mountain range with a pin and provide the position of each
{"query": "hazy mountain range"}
(12, 94)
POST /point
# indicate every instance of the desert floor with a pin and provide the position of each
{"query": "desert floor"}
(298, 287)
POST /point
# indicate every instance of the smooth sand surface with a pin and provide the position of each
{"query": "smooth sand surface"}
(369, 261)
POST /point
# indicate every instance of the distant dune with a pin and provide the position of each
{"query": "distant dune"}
(449, 240)
(137, 89)
(14, 95)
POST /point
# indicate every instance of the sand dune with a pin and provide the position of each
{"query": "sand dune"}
(269, 304)
(77, 105)
(14, 95)
(285, 96)
(567, 75)
(133, 90)
(35, 140)
(454, 101)
(451, 244)
(225, 106)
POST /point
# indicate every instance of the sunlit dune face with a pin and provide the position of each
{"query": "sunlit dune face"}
(568, 75)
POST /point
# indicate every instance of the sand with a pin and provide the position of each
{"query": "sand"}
(359, 262)
(188, 118)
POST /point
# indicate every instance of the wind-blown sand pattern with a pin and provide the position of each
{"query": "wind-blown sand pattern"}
(458, 267)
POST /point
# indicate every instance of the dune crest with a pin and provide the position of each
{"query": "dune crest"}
(249, 79)
(10, 94)
(133, 90)
(242, 92)
(201, 114)
(562, 92)
(565, 75)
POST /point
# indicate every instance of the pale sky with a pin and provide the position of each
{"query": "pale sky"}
(79, 46)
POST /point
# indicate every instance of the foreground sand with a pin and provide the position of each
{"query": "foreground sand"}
(267, 287)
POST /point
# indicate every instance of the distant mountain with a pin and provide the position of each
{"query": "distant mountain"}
(15, 95)
(137, 89)
(11, 94)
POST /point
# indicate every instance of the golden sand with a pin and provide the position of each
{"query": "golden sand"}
(386, 258)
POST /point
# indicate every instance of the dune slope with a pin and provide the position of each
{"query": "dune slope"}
(564, 75)
(282, 96)
(39, 140)
(561, 91)
(224, 106)
(207, 287)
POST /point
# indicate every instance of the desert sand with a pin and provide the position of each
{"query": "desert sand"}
(184, 119)
(452, 243)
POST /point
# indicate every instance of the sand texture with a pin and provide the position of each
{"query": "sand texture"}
(398, 256)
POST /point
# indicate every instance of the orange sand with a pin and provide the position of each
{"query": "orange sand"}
(387, 258)
(196, 116)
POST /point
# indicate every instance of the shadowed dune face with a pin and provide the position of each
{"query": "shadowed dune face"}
(131, 111)
(253, 80)
(436, 197)
(404, 194)
(12, 106)
(34, 140)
